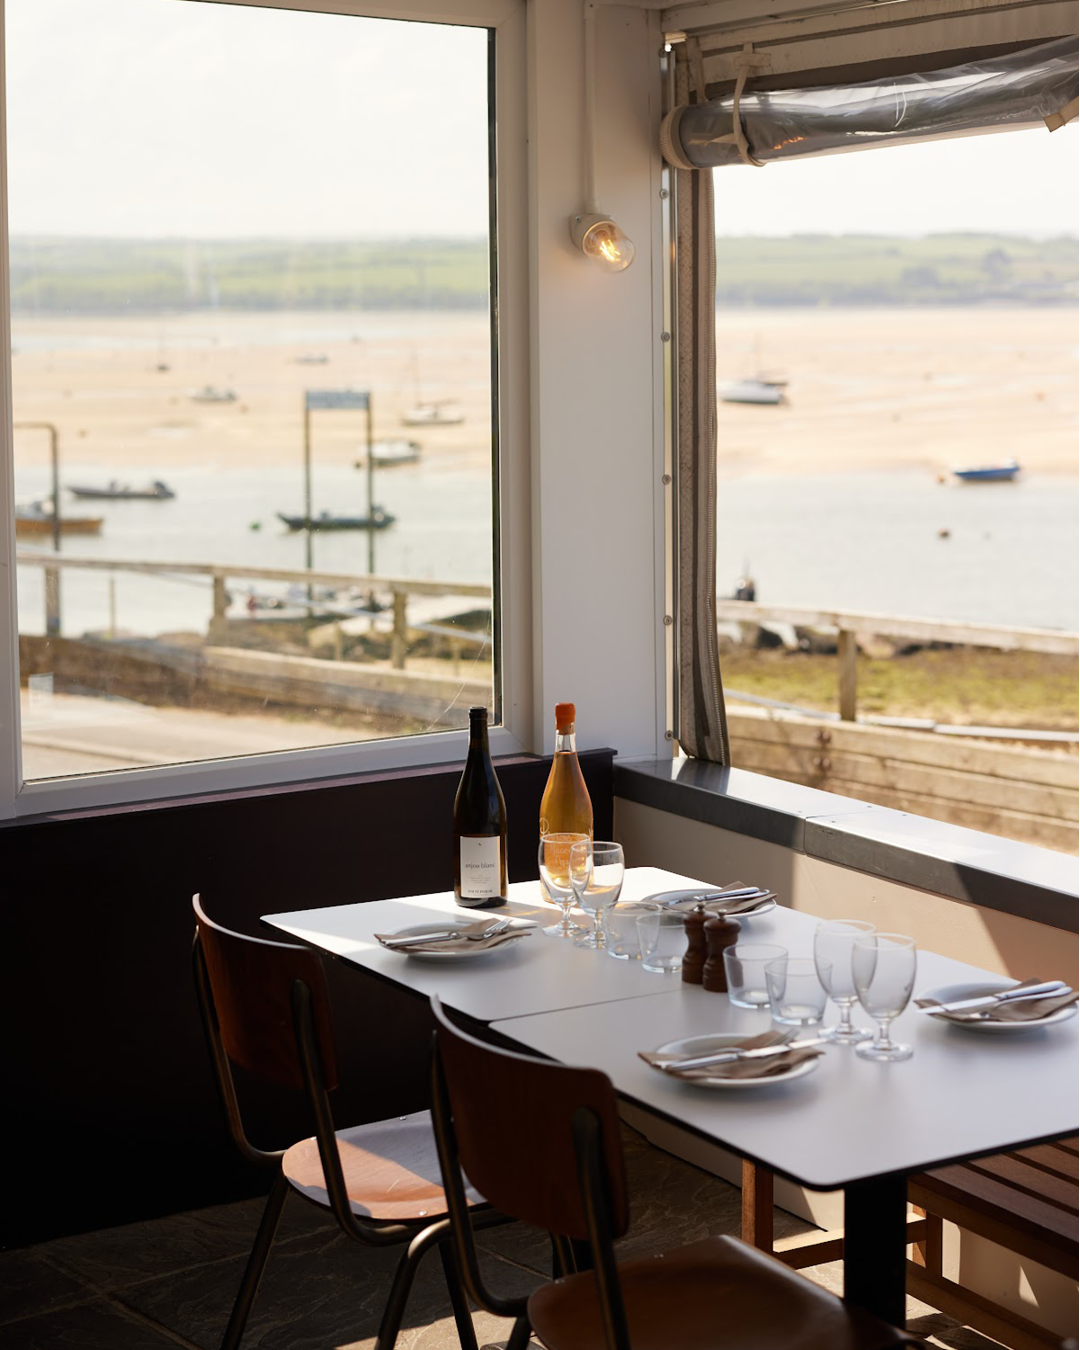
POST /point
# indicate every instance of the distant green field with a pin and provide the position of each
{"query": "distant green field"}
(109, 276)
(856, 269)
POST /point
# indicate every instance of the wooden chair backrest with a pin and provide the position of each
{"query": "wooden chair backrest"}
(513, 1122)
(252, 983)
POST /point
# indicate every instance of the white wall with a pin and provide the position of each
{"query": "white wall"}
(597, 386)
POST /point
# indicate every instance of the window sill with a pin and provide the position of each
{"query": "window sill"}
(967, 865)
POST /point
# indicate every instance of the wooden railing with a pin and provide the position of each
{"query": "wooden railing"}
(849, 623)
(399, 589)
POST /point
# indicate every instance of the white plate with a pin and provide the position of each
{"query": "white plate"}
(953, 993)
(419, 929)
(704, 1045)
(665, 898)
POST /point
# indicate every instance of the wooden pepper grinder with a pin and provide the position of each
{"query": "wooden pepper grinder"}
(720, 933)
(693, 963)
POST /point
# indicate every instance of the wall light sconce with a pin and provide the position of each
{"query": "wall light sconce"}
(600, 239)
(592, 230)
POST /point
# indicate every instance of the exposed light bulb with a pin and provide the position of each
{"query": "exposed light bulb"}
(600, 239)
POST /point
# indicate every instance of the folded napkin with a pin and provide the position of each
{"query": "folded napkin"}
(766, 1067)
(770, 1067)
(1023, 1010)
(463, 942)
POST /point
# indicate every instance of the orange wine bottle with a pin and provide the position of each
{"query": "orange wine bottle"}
(565, 807)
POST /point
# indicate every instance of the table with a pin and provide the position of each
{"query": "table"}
(852, 1124)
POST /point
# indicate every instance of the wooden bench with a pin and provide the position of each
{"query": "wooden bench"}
(1025, 1202)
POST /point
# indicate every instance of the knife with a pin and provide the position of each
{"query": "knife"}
(733, 1054)
(1026, 991)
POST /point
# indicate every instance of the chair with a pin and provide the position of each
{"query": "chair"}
(265, 1006)
(542, 1142)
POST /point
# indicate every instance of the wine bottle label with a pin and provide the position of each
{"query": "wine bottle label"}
(481, 866)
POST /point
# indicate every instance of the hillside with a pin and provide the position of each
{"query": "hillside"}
(110, 276)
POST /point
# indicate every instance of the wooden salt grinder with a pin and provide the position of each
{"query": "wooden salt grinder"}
(720, 933)
(693, 963)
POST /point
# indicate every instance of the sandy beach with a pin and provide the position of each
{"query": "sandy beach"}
(867, 389)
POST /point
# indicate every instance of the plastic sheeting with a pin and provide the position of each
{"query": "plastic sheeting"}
(1021, 89)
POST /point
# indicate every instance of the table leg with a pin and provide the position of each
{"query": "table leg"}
(875, 1227)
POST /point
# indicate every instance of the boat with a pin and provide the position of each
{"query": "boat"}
(989, 473)
(390, 454)
(442, 414)
(157, 491)
(313, 359)
(38, 519)
(377, 520)
(758, 389)
(209, 394)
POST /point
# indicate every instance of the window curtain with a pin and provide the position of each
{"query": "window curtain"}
(701, 726)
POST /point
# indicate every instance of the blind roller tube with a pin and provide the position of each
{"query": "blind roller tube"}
(1023, 88)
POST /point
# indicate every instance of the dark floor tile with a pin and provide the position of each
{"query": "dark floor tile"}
(30, 1284)
(320, 1289)
(85, 1326)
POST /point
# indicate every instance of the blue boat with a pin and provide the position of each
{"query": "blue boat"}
(989, 473)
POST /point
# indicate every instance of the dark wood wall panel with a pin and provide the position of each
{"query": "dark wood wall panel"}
(105, 1055)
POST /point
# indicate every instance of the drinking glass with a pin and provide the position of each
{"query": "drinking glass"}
(833, 941)
(883, 968)
(555, 883)
(620, 925)
(596, 874)
(662, 935)
(744, 966)
(796, 993)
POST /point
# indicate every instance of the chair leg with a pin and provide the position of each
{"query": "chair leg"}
(519, 1337)
(249, 1285)
(460, 1304)
(402, 1284)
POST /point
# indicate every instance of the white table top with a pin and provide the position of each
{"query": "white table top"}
(962, 1094)
(537, 974)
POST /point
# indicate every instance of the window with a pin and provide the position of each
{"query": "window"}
(885, 323)
(258, 391)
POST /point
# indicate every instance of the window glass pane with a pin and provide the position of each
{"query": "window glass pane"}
(243, 241)
(884, 320)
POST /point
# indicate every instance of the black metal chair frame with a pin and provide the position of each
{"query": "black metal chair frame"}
(372, 1233)
(593, 1183)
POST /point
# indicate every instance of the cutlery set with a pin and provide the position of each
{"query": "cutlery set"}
(451, 935)
(987, 1002)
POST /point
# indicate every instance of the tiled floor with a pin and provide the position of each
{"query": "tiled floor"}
(170, 1282)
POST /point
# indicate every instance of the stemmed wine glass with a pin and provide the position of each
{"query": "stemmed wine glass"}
(833, 942)
(883, 968)
(555, 881)
(596, 874)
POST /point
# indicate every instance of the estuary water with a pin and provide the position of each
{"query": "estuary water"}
(897, 543)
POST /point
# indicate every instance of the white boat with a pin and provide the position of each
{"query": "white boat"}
(209, 394)
(391, 454)
(444, 414)
(759, 389)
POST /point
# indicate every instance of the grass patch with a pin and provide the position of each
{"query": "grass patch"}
(962, 686)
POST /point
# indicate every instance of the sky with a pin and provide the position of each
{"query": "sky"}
(169, 118)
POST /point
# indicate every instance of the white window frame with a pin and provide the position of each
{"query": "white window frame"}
(513, 582)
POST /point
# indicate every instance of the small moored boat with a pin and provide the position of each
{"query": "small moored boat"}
(38, 519)
(157, 491)
(209, 394)
(391, 454)
(378, 520)
(761, 389)
(433, 415)
(989, 473)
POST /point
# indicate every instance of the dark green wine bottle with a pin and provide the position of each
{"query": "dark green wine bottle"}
(479, 825)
